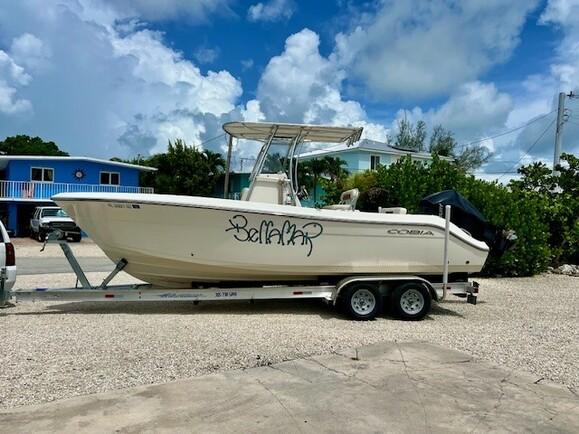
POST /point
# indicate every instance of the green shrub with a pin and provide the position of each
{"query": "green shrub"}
(544, 217)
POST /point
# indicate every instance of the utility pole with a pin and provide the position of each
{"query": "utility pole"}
(562, 117)
(559, 129)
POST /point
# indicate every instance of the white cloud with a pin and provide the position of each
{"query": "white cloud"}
(9, 104)
(273, 10)
(416, 49)
(246, 64)
(12, 77)
(111, 92)
(300, 85)
(206, 55)
(196, 11)
(11, 71)
(538, 94)
(473, 110)
(29, 51)
(562, 12)
(565, 15)
(252, 112)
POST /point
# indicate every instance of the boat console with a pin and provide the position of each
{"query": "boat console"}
(271, 188)
(274, 178)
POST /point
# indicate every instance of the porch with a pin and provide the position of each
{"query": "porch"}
(32, 191)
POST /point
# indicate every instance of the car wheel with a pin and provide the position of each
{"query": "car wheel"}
(40, 236)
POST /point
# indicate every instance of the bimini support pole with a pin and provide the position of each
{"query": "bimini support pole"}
(445, 259)
(228, 168)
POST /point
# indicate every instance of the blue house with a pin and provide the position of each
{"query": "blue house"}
(28, 181)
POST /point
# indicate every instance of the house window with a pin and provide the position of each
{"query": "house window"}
(110, 178)
(374, 162)
(42, 174)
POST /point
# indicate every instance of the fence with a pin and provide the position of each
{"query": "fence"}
(45, 190)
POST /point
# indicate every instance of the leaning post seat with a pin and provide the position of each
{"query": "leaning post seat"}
(348, 201)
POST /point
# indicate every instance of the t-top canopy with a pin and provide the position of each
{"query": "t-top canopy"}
(262, 131)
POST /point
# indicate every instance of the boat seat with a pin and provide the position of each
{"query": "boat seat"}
(392, 210)
(348, 201)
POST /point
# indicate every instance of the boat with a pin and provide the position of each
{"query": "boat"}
(266, 235)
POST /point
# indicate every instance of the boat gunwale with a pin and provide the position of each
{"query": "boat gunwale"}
(322, 217)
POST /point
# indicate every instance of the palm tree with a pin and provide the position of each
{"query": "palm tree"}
(333, 168)
(215, 162)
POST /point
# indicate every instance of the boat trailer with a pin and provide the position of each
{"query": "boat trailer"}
(361, 295)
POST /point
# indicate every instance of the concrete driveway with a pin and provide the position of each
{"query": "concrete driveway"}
(389, 387)
(57, 265)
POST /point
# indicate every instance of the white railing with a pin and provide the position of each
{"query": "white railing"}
(44, 190)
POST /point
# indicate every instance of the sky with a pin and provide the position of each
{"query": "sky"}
(119, 78)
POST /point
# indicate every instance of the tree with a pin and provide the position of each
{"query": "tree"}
(472, 157)
(410, 137)
(405, 182)
(443, 143)
(183, 170)
(569, 175)
(312, 172)
(215, 162)
(334, 167)
(560, 195)
(26, 145)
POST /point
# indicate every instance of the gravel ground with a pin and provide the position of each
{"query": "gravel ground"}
(53, 350)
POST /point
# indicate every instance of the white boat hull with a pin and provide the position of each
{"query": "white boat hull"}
(178, 241)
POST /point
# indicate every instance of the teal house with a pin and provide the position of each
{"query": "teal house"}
(367, 155)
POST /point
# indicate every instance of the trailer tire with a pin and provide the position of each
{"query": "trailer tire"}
(411, 301)
(361, 301)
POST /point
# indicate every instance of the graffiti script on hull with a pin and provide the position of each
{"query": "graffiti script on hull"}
(267, 232)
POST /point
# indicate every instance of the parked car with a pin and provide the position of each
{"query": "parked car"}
(50, 218)
(7, 259)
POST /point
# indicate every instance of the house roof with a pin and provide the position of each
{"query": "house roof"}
(310, 133)
(5, 159)
(368, 146)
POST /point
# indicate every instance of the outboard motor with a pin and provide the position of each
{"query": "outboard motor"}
(466, 216)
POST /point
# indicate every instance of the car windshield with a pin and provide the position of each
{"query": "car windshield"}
(54, 212)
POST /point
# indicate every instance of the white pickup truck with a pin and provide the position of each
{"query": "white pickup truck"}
(7, 259)
(50, 218)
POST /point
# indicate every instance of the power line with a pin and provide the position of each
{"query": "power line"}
(504, 133)
(211, 139)
(528, 150)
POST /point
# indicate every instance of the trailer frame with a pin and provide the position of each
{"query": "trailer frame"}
(381, 286)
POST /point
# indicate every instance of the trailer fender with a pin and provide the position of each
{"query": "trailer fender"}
(379, 279)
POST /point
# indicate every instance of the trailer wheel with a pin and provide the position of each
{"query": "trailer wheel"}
(411, 301)
(361, 301)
